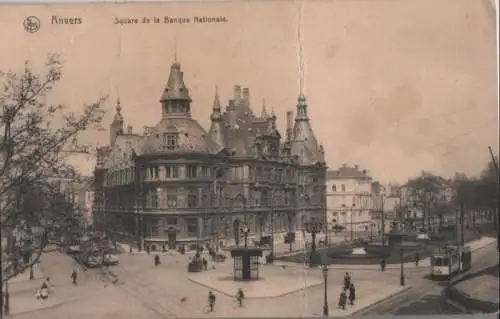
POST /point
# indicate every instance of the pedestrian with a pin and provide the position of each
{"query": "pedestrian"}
(382, 264)
(164, 248)
(352, 294)
(239, 296)
(148, 249)
(347, 281)
(157, 260)
(211, 301)
(342, 299)
(417, 259)
(130, 250)
(205, 263)
(44, 293)
(74, 276)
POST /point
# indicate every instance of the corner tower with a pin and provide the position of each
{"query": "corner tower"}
(216, 133)
(175, 100)
(116, 127)
(304, 144)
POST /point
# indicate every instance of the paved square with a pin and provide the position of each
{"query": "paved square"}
(274, 284)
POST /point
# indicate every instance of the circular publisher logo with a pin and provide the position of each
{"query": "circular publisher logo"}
(31, 24)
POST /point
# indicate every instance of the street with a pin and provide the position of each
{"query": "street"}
(428, 293)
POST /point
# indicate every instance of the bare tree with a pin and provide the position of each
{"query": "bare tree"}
(35, 137)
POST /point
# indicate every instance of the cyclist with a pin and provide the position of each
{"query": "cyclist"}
(239, 296)
(211, 301)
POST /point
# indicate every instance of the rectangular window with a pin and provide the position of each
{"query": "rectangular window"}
(175, 171)
(192, 200)
(192, 226)
(154, 199)
(171, 198)
(279, 174)
(207, 222)
(267, 173)
(168, 172)
(171, 220)
(258, 173)
(170, 141)
(154, 231)
(191, 171)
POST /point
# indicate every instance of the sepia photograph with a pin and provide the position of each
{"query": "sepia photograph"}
(246, 159)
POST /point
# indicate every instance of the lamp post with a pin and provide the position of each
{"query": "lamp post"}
(402, 277)
(313, 227)
(351, 221)
(325, 277)
(245, 230)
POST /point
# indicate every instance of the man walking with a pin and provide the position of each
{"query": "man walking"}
(74, 276)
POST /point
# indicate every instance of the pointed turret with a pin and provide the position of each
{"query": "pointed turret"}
(216, 129)
(302, 108)
(271, 137)
(175, 99)
(304, 144)
(116, 127)
(263, 113)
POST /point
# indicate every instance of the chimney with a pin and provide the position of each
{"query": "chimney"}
(246, 95)
(232, 118)
(289, 125)
(129, 129)
(236, 93)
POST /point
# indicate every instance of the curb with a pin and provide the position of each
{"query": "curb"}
(471, 305)
(253, 298)
(375, 304)
(447, 299)
(410, 265)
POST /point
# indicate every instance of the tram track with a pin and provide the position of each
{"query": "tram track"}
(390, 306)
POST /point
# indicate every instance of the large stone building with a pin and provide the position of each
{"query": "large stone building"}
(349, 198)
(178, 183)
(356, 202)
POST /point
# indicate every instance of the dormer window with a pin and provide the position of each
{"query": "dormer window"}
(170, 141)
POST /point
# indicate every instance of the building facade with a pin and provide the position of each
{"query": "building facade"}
(349, 198)
(178, 183)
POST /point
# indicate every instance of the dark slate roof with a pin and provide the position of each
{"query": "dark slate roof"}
(348, 172)
(120, 153)
(192, 137)
(240, 135)
(175, 88)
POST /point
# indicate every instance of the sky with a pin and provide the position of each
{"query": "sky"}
(395, 87)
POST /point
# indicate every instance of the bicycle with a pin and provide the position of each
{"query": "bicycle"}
(210, 307)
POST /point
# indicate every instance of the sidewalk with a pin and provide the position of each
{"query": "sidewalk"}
(474, 245)
(58, 268)
(479, 293)
(21, 284)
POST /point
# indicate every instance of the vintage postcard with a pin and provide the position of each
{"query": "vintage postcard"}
(248, 159)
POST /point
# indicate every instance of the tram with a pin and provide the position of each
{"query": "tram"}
(449, 261)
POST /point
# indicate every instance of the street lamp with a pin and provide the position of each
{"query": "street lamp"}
(313, 227)
(245, 230)
(402, 277)
(325, 277)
